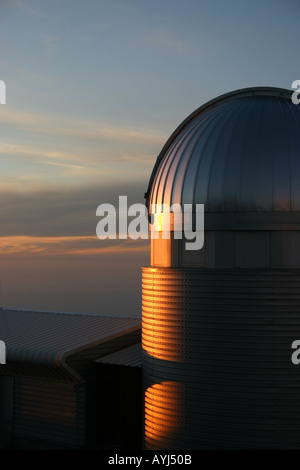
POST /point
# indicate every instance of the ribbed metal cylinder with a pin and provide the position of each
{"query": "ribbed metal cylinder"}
(217, 358)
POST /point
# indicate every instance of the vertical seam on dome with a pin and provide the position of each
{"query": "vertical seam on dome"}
(183, 142)
(251, 103)
(259, 140)
(176, 144)
(228, 153)
(159, 172)
(291, 106)
(226, 112)
(202, 153)
(273, 151)
(288, 153)
(208, 121)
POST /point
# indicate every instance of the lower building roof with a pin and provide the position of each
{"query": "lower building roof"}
(130, 356)
(53, 339)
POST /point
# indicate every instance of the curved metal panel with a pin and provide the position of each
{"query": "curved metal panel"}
(239, 152)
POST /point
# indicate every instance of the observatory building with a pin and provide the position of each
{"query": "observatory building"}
(218, 323)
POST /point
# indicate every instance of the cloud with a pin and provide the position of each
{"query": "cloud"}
(84, 245)
(72, 166)
(30, 151)
(164, 40)
(147, 159)
(77, 170)
(61, 211)
(75, 164)
(65, 126)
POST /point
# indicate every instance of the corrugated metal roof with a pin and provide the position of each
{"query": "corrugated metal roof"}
(47, 338)
(238, 152)
(131, 356)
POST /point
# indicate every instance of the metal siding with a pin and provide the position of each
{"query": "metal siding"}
(217, 358)
(83, 361)
(6, 404)
(131, 356)
(27, 369)
(50, 412)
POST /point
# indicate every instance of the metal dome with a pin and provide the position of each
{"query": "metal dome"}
(238, 152)
(218, 323)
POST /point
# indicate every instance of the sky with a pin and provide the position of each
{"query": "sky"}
(94, 88)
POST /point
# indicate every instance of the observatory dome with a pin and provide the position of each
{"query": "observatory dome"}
(219, 322)
(238, 152)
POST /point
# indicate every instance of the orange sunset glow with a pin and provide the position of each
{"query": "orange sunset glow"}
(64, 245)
